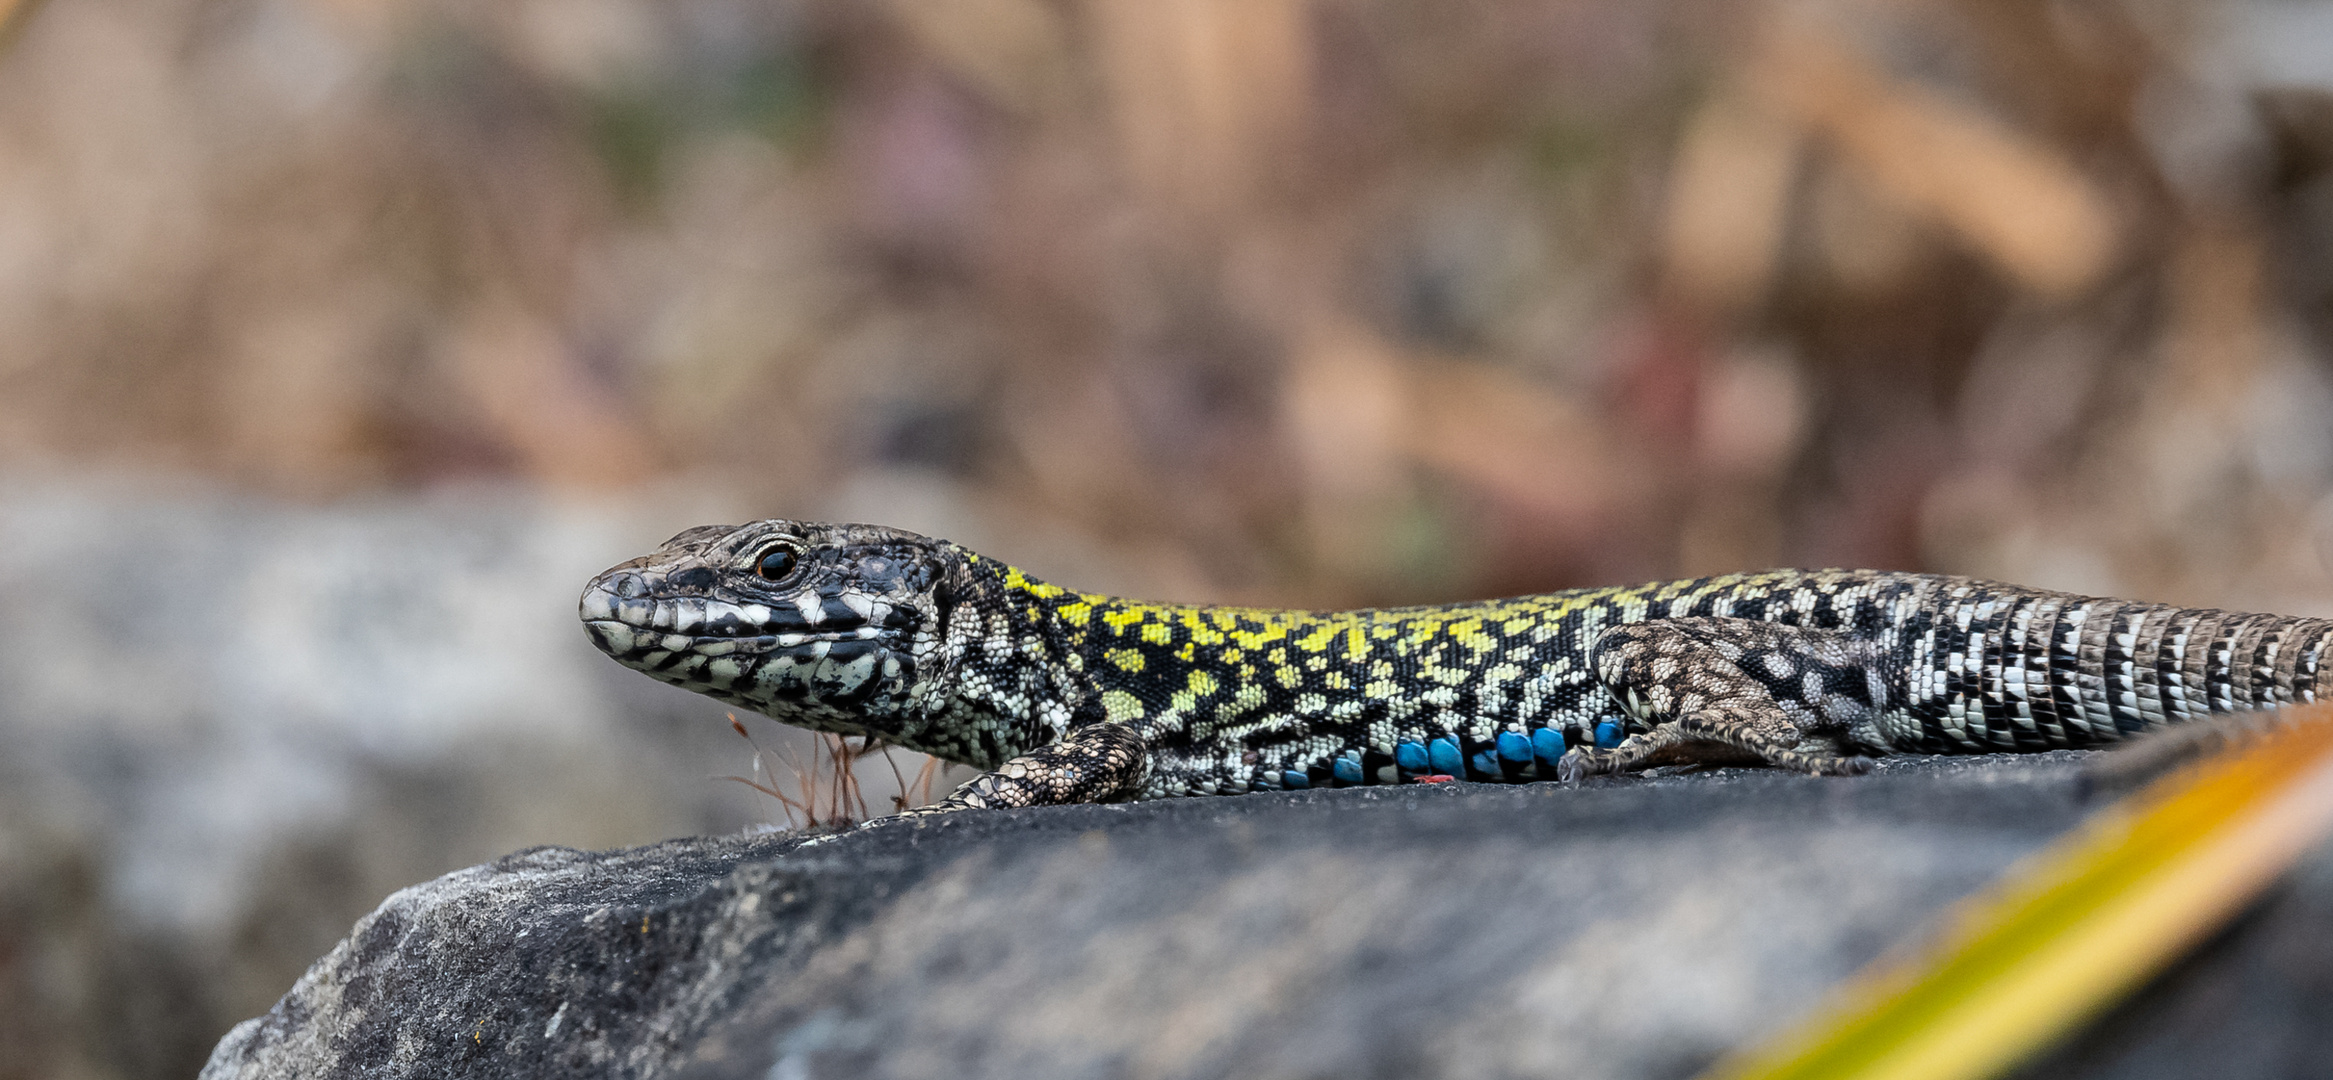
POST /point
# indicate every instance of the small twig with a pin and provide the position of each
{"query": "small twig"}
(770, 789)
(839, 770)
(828, 789)
(923, 780)
(803, 799)
(853, 797)
(899, 801)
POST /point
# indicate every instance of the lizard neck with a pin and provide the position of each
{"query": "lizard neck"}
(1038, 654)
(1016, 671)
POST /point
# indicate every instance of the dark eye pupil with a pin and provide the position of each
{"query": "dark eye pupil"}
(775, 564)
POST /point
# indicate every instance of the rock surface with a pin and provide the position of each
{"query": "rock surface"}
(1620, 929)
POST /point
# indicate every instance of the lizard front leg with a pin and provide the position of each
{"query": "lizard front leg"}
(1734, 691)
(1100, 762)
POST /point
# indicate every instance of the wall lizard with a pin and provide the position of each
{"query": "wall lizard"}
(1074, 697)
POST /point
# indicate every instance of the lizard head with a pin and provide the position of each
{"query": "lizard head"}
(835, 627)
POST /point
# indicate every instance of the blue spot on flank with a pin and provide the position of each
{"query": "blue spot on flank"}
(1547, 745)
(1295, 779)
(1348, 770)
(1485, 763)
(1514, 747)
(1443, 755)
(1410, 756)
(1608, 734)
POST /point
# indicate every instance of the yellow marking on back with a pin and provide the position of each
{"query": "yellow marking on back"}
(1253, 649)
(1122, 618)
(1468, 632)
(1257, 639)
(1014, 579)
(1195, 623)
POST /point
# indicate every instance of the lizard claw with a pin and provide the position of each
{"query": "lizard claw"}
(1851, 766)
(1577, 765)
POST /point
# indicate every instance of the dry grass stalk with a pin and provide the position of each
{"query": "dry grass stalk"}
(828, 793)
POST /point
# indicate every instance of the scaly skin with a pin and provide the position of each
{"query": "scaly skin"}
(1073, 697)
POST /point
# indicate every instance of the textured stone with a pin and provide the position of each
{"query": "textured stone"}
(1619, 929)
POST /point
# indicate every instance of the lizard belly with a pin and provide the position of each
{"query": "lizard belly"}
(1381, 734)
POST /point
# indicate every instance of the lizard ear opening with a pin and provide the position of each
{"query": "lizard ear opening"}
(777, 562)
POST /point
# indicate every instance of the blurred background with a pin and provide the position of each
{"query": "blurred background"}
(341, 340)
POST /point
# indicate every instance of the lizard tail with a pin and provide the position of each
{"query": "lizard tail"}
(2046, 670)
(2211, 662)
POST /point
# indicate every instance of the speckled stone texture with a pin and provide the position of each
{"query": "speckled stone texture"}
(1623, 928)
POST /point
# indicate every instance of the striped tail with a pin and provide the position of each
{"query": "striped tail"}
(2009, 669)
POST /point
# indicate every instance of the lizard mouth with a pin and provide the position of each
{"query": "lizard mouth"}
(835, 648)
(639, 601)
(624, 640)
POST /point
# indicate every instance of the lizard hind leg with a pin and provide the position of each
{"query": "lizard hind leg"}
(1734, 691)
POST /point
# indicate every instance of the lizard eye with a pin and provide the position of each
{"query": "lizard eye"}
(776, 563)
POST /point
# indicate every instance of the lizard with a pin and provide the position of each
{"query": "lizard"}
(1064, 696)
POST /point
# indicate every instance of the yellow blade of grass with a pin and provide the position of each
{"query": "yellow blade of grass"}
(2071, 930)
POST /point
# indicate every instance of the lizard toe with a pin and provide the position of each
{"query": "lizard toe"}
(1579, 764)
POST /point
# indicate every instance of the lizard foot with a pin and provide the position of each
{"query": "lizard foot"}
(1101, 762)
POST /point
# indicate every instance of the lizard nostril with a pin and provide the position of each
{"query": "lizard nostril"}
(695, 577)
(628, 586)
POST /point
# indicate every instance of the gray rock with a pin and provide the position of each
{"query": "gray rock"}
(1619, 929)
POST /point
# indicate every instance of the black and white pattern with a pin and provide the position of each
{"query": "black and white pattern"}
(1072, 697)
